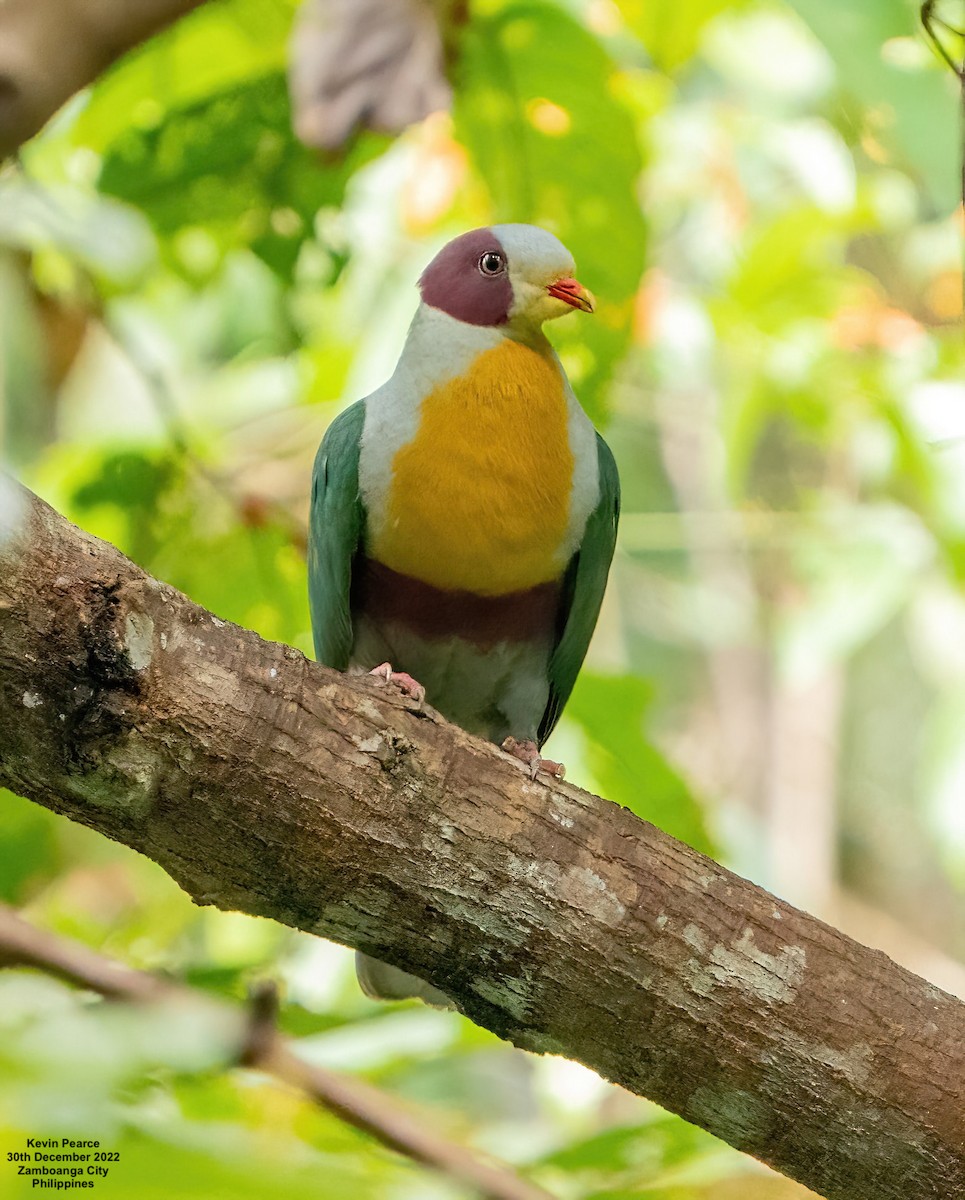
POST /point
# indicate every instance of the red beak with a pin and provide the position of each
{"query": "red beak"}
(571, 291)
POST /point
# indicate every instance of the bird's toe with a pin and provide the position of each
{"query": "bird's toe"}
(528, 752)
(403, 681)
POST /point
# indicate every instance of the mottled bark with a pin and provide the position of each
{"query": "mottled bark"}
(50, 49)
(265, 783)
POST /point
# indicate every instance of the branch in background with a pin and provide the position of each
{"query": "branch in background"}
(262, 1048)
(251, 509)
(50, 49)
(265, 783)
(933, 22)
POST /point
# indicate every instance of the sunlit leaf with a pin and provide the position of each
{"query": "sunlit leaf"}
(177, 68)
(537, 108)
(671, 33)
(231, 165)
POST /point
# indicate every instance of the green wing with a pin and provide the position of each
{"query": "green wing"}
(583, 590)
(335, 526)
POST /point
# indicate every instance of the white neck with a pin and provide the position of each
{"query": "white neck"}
(439, 347)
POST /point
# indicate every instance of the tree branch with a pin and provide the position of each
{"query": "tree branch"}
(265, 783)
(358, 1104)
(50, 49)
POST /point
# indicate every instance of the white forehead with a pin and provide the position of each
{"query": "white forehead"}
(534, 253)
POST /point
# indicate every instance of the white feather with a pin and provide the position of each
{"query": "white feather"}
(536, 259)
(438, 348)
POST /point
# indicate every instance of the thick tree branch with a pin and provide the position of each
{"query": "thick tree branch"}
(50, 49)
(265, 783)
(358, 1104)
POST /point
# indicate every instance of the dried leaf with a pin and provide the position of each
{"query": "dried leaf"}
(377, 64)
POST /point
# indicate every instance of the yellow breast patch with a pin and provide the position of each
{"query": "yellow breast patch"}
(480, 498)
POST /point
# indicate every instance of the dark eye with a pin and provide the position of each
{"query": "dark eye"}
(492, 263)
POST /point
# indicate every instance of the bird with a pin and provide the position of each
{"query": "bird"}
(464, 515)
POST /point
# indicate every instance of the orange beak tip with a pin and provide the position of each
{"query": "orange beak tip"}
(572, 292)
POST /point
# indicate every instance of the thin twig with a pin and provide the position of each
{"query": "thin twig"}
(931, 21)
(249, 510)
(357, 1103)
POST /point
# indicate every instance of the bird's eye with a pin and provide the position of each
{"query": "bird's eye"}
(492, 263)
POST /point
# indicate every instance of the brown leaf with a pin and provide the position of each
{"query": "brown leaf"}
(373, 64)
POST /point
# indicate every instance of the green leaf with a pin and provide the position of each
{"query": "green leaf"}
(653, 1155)
(671, 32)
(537, 107)
(29, 854)
(252, 576)
(129, 479)
(910, 100)
(787, 268)
(127, 492)
(611, 710)
(231, 165)
(179, 67)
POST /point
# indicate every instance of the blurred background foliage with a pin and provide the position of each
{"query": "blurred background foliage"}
(763, 195)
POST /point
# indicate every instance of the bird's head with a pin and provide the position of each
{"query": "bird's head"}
(515, 275)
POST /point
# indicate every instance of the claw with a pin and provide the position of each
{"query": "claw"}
(528, 753)
(405, 683)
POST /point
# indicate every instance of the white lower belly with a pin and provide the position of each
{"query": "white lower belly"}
(492, 692)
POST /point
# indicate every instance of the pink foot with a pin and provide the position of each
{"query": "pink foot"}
(405, 683)
(528, 752)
